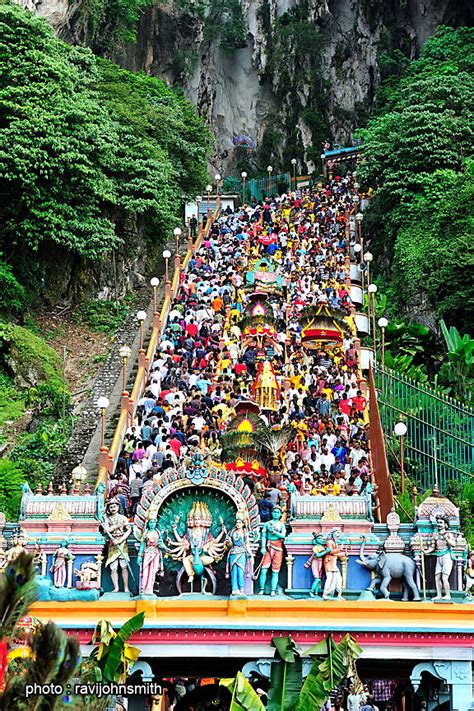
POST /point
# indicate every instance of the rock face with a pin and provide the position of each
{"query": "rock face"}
(288, 73)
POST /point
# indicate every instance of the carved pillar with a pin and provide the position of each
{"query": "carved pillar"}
(290, 559)
(459, 572)
(99, 558)
(344, 572)
(44, 564)
(69, 570)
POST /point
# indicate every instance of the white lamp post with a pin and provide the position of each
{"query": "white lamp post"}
(141, 318)
(124, 352)
(166, 256)
(103, 403)
(217, 178)
(293, 163)
(269, 171)
(177, 235)
(208, 191)
(244, 179)
(372, 290)
(154, 283)
(383, 323)
(400, 431)
(198, 205)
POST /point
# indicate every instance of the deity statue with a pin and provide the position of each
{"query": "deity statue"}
(59, 566)
(198, 548)
(273, 537)
(19, 546)
(88, 575)
(240, 557)
(149, 558)
(333, 553)
(441, 544)
(315, 562)
(118, 529)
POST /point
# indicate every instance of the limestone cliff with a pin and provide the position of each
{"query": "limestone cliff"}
(288, 73)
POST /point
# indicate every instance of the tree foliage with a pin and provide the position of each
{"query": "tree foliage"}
(85, 147)
(417, 151)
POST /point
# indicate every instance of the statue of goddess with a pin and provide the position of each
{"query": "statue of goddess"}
(239, 557)
(58, 568)
(149, 558)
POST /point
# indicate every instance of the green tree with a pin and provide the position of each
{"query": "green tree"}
(86, 148)
(416, 151)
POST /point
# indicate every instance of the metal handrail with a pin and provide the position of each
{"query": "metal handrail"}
(142, 372)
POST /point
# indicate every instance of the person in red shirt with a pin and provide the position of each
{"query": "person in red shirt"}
(345, 405)
(192, 329)
(359, 401)
(240, 368)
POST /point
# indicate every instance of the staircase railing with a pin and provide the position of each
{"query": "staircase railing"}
(439, 444)
(108, 457)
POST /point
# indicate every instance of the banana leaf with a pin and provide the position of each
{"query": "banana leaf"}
(115, 656)
(324, 676)
(286, 676)
(244, 696)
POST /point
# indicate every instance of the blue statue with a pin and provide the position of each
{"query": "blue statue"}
(239, 558)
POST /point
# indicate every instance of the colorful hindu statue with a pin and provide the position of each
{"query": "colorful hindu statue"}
(198, 548)
(315, 562)
(441, 544)
(273, 537)
(117, 527)
(333, 553)
(61, 556)
(150, 559)
(239, 559)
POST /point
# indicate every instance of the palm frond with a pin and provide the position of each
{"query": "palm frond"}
(17, 592)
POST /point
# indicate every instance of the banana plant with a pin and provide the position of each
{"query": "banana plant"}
(244, 696)
(286, 675)
(457, 371)
(337, 665)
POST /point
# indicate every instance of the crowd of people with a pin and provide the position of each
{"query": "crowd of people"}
(204, 366)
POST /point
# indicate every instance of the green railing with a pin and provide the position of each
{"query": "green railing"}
(260, 188)
(439, 444)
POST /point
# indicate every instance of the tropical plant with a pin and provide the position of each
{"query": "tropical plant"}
(86, 151)
(338, 664)
(114, 656)
(333, 662)
(457, 372)
(54, 658)
(286, 675)
(416, 151)
(244, 696)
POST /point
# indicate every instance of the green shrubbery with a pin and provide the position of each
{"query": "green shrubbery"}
(85, 148)
(417, 150)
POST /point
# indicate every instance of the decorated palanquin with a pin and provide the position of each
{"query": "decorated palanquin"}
(263, 276)
(321, 328)
(266, 388)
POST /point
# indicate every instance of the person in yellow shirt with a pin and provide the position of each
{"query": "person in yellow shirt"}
(332, 489)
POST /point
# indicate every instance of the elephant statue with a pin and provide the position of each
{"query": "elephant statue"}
(387, 567)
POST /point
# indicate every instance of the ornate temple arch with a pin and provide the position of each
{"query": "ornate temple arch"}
(197, 476)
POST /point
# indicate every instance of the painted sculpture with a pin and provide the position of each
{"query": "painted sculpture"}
(150, 559)
(59, 567)
(273, 537)
(118, 529)
(333, 553)
(388, 567)
(240, 557)
(198, 549)
(440, 545)
(315, 562)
